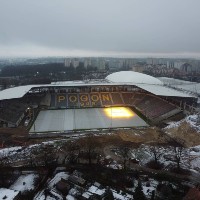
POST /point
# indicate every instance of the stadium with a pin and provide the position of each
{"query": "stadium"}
(123, 99)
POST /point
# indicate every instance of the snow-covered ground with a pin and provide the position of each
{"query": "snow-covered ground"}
(121, 196)
(189, 160)
(95, 190)
(195, 154)
(191, 119)
(8, 194)
(25, 183)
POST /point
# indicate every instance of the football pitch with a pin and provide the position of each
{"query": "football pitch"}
(81, 119)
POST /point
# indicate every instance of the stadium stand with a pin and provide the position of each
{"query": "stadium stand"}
(12, 112)
(117, 99)
(145, 95)
(46, 100)
(153, 107)
(128, 98)
(149, 105)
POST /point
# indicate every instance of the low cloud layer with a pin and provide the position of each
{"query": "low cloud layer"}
(106, 27)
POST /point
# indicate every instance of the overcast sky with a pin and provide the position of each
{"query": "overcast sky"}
(100, 27)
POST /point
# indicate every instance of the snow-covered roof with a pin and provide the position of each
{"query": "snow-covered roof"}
(146, 82)
(133, 77)
(10, 194)
(95, 190)
(28, 179)
(161, 90)
(15, 92)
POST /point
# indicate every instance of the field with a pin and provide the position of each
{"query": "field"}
(82, 119)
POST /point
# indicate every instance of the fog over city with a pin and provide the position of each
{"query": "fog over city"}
(129, 28)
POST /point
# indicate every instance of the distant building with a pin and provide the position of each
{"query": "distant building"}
(178, 64)
(186, 67)
(63, 186)
(170, 64)
(71, 62)
(67, 62)
(87, 62)
(75, 63)
(101, 64)
(76, 180)
(138, 68)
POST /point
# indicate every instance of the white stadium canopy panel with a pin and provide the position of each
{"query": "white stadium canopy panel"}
(161, 90)
(146, 82)
(15, 92)
(133, 78)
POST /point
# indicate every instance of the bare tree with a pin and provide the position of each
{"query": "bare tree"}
(125, 154)
(156, 152)
(179, 153)
(71, 150)
(46, 154)
(90, 146)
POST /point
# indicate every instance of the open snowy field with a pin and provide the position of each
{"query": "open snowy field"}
(90, 118)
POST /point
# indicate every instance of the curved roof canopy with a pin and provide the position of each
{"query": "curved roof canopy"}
(133, 78)
(143, 81)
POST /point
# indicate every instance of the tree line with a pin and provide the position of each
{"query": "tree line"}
(51, 69)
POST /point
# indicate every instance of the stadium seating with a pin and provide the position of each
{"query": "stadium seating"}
(12, 112)
(128, 98)
(152, 106)
(149, 105)
(116, 98)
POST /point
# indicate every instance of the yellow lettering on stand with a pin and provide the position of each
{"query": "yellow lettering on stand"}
(61, 98)
(94, 97)
(84, 98)
(93, 103)
(73, 99)
(105, 97)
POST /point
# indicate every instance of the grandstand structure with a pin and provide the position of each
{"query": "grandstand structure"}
(133, 99)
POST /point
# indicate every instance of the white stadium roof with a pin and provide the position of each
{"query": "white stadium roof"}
(133, 77)
(161, 90)
(15, 92)
(146, 82)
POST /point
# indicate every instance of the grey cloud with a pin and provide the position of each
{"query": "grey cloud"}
(146, 26)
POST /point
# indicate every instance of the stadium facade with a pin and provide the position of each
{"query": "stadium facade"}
(122, 99)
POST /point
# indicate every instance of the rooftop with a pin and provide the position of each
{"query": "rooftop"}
(146, 82)
(133, 78)
(10, 194)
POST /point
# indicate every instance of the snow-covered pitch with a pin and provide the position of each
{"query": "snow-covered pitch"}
(80, 119)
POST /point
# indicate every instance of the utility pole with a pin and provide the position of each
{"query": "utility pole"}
(198, 118)
(33, 120)
(74, 119)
